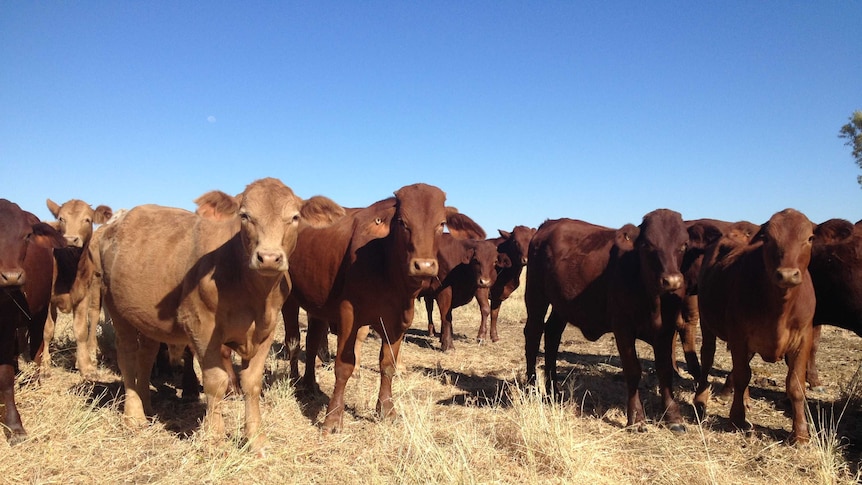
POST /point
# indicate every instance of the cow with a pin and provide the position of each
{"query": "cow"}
(702, 233)
(466, 266)
(26, 274)
(513, 248)
(367, 268)
(74, 219)
(172, 276)
(759, 298)
(626, 281)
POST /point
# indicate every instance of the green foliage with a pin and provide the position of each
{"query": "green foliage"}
(852, 131)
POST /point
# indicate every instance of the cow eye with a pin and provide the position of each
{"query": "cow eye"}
(62, 220)
(811, 239)
(88, 220)
(294, 219)
(683, 248)
(378, 221)
(243, 217)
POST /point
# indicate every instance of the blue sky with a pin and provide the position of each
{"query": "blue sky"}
(521, 111)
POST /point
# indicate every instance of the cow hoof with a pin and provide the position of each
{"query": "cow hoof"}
(17, 438)
(677, 428)
(818, 389)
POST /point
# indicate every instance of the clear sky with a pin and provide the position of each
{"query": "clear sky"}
(520, 110)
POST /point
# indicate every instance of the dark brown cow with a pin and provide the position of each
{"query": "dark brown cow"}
(26, 273)
(75, 220)
(366, 268)
(174, 277)
(758, 297)
(466, 265)
(513, 248)
(625, 281)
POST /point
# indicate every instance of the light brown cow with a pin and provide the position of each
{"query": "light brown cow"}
(75, 220)
(759, 298)
(171, 276)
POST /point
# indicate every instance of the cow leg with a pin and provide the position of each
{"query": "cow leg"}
(444, 303)
(216, 382)
(811, 376)
(483, 301)
(290, 315)
(688, 334)
(429, 308)
(741, 374)
(314, 339)
(534, 328)
(797, 363)
(707, 357)
(127, 359)
(251, 380)
(190, 383)
(389, 353)
(48, 337)
(345, 361)
(233, 386)
(632, 371)
(12, 419)
(663, 350)
(495, 313)
(484, 310)
(361, 336)
(83, 359)
(553, 335)
(94, 310)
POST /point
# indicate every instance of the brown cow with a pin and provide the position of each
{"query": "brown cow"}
(26, 273)
(366, 269)
(466, 266)
(513, 248)
(171, 276)
(75, 220)
(702, 233)
(758, 297)
(625, 281)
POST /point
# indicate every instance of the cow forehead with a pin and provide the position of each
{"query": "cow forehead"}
(76, 207)
(269, 198)
(419, 201)
(788, 224)
(663, 225)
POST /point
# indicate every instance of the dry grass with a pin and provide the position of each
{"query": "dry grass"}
(465, 417)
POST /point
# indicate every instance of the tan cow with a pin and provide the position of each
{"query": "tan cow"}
(75, 220)
(172, 276)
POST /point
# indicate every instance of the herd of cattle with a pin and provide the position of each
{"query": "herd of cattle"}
(213, 282)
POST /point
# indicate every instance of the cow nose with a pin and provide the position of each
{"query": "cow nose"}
(12, 278)
(524, 260)
(484, 282)
(671, 282)
(269, 260)
(74, 241)
(423, 267)
(788, 277)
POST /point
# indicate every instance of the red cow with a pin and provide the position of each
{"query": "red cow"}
(466, 266)
(702, 233)
(75, 220)
(625, 281)
(513, 248)
(171, 276)
(366, 268)
(758, 297)
(26, 273)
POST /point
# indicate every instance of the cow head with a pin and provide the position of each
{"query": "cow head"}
(516, 244)
(786, 244)
(483, 262)
(21, 230)
(661, 244)
(269, 214)
(417, 224)
(75, 219)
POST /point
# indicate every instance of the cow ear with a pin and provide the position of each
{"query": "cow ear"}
(701, 234)
(53, 207)
(217, 205)
(626, 236)
(47, 237)
(833, 230)
(504, 234)
(320, 211)
(461, 226)
(468, 256)
(503, 261)
(102, 214)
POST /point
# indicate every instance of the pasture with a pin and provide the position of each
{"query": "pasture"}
(464, 417)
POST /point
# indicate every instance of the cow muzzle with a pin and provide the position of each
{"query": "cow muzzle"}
(788, 277)
(11, 278)
(420, 267)
(671, 282)
(269, 261)
(74, 241)
(483, 282)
